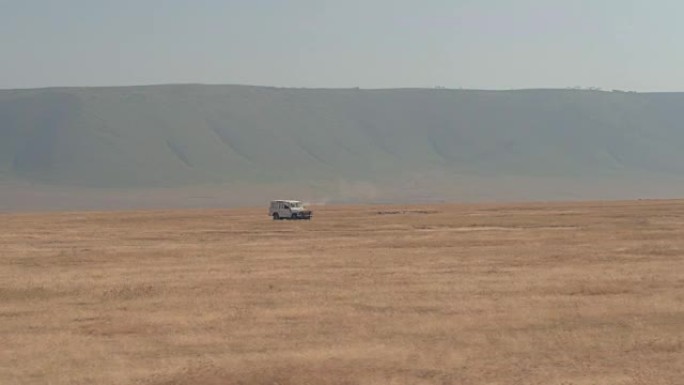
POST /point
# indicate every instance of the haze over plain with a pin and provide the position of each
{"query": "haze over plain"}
(338, 140)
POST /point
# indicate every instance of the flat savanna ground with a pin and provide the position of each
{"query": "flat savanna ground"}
(562, 293)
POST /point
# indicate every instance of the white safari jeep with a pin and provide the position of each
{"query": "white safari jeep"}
(286, 209)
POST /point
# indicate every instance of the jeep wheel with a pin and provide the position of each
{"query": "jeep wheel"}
(276, 216)
(294, 216)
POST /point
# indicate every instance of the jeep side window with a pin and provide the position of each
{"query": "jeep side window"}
(287, 207)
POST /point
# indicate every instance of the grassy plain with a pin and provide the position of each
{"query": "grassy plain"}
(560, 294)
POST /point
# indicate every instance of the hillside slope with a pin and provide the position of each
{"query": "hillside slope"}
(189, 135)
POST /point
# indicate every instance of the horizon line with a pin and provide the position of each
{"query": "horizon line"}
(435, 88)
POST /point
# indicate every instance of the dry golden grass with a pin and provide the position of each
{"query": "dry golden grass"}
(560, 294)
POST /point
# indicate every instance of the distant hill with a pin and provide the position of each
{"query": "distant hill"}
(346, 144)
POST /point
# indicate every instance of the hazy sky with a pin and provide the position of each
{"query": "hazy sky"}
(492, 44)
